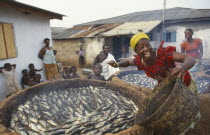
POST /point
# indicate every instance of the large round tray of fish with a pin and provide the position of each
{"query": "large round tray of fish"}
(82, 111)
(136, 77)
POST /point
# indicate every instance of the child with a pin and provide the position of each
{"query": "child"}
(55, 52)
(32, 71)
(37, 79)
(9, 73)
(31, 82)
(74, 72)
(81, 53)
(24, 79)
(67, 72)
(97, 69)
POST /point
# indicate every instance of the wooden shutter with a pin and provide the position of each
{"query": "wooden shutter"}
(3, 51)
(9, 40)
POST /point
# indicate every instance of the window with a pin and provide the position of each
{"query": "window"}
(170, 36)
(7, 44)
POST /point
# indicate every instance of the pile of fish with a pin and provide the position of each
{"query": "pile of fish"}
(140, 80)
(202, 84)
(82, 111)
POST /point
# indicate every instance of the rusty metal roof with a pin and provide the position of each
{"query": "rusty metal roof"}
(71, 32)
(95, 31)
(132, 28)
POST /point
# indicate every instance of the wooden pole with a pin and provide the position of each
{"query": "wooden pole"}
(163, 21)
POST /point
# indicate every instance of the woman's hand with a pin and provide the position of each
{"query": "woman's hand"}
(158, 78)
(179, 71)
(113, 64)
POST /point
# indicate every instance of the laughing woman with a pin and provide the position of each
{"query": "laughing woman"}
(157, 63)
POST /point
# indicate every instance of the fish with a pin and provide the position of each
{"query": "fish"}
(52, 122)
(83, 110)
(33, 127)
(71, 129)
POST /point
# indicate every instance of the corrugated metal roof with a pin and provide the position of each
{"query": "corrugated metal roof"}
(81, 27)
(56, 30)
(170, 14)
(71, 31)
(95, 31)
(132, 28)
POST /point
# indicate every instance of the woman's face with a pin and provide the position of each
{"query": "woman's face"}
(47, 41)
(144, 49)
(188, 34)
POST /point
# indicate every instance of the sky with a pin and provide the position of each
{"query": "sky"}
(82, 11)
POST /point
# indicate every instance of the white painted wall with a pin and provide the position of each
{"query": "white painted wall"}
(94, 47)
(201, 30)
(29, 32)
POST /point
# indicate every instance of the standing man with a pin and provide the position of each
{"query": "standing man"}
(48, 57)
(103, 58)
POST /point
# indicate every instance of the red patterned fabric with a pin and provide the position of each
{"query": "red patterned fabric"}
(164, 61)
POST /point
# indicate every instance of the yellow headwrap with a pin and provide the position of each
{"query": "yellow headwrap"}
(136, 38)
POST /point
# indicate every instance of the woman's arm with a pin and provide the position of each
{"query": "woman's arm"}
(187, 63)
(125, 63)
(41, 53)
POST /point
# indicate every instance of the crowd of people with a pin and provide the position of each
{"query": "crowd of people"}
(29, 78)
(157, 63)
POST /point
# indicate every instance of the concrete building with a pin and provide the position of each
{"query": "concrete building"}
(22, 30)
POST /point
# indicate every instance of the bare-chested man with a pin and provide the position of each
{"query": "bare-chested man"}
(103, 58)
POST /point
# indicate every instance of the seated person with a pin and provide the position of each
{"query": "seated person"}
(32, 71)
(37, 79)
(66, 73)
(97, 70)
(25, 78)
(74, 72)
